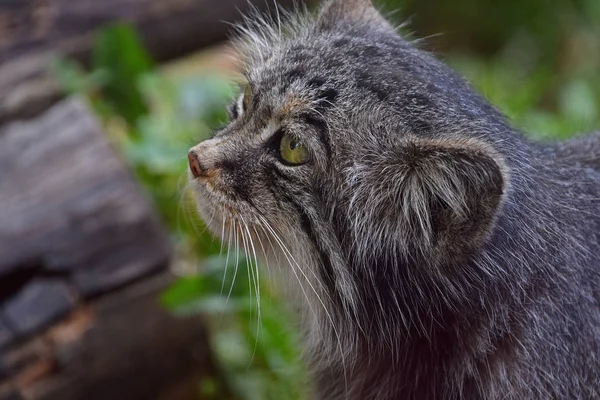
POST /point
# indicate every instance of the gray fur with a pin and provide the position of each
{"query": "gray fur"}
(436, 252)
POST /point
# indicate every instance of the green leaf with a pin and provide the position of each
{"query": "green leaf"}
(184, 290)
(213, 290)
(74, 79)
(118, 51)
(578, 102)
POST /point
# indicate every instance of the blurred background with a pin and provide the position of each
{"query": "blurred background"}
(110, 286)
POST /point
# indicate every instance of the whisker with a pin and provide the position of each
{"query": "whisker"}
(222, 235)
(336, 333)
(180, 199)
(250, 279)
(229, 234)
(188, 212)
(237, 262)
(264, 252)
(293, 271)
(256, 288)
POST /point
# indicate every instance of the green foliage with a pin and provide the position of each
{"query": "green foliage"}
(537, 60)
(534, 100)
(118, 53)
(255, 345)
(486, 26)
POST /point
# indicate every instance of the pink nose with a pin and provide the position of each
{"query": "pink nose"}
(195, 165)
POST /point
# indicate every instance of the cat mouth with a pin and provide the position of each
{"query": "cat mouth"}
(217, 206)
(208, 185)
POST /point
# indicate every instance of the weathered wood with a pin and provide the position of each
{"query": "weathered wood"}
(123, 346)
(33, 31)
(37, 303)
(73, 221)
(6, 336)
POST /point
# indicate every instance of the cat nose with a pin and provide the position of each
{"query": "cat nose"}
(204, 157)
(195, 166)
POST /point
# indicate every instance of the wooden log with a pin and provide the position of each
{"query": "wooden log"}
(34, 31)
(37, 303)
(73, 221)
(75, 230)
(123, 346)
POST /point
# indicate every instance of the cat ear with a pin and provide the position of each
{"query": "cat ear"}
(362, 12)
(442, 195)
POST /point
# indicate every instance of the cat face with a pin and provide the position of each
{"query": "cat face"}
(354, 149)
(265, 163)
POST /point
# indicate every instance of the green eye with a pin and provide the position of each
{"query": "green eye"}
(292, 150)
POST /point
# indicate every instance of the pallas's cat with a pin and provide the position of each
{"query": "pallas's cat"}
(435, 252)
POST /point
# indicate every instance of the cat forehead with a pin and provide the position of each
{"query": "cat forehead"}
(306, 67)
(291, 98)
(295, 58)
(294, 78)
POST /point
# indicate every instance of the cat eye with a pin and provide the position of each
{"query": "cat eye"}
(292, 150)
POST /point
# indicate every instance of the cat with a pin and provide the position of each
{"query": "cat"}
(435, 252)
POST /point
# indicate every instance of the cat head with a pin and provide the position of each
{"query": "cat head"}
(353, 147)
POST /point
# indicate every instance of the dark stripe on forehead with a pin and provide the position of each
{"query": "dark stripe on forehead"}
(325, 96)
(341, 42)
(364, 81)
(316, 83)
(295, 74)
(290, 77)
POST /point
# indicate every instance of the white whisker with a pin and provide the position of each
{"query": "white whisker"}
(229, 234)
(256, 274)
(237, 263)
(328, 315)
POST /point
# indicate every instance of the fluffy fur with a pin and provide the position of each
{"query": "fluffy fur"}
(436, 252)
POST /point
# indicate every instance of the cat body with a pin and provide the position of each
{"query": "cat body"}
(436, 252)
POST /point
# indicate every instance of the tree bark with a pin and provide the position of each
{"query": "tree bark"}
(121, 347)
(73, 221)
(75, 231)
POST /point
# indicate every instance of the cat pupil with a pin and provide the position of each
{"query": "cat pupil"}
(294, 144)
